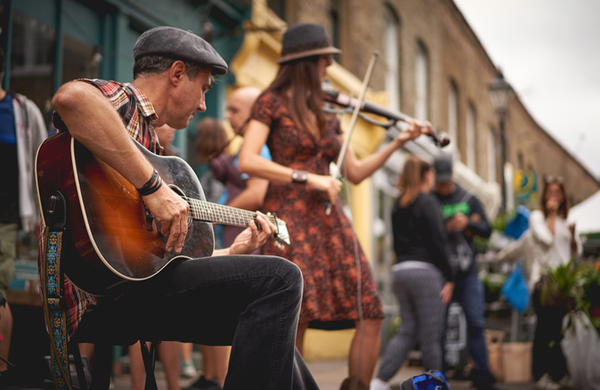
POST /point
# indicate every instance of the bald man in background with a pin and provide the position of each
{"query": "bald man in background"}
(244, 192)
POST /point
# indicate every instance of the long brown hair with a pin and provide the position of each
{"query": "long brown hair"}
(210, 136)
(563, 208)
(411, 178)
(301, 78)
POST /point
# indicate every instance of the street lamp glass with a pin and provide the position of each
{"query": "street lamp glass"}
(500, 94)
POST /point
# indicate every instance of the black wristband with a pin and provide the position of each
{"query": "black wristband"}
(152, 185)
(153, 188)
(299, 176)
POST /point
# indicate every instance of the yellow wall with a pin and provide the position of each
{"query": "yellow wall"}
(327, 344)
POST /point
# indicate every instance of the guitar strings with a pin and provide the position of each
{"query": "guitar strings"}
(213, 212)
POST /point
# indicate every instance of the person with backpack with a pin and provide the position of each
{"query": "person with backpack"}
(465, 218)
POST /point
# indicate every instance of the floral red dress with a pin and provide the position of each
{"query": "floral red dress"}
(323, 246)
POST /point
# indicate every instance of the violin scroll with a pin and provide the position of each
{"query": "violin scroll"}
(439, 141)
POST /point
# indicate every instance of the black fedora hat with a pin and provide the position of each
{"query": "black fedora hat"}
(303, 40)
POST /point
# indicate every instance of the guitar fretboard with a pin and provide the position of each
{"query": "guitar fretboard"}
(213, 212)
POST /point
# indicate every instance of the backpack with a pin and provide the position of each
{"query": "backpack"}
(430, 380)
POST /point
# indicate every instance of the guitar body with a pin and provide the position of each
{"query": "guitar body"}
(115, 236)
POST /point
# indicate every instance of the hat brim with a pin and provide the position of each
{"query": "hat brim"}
(443, 177)
(309, 53)
(217, 70)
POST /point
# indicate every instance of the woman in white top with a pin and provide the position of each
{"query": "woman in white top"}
(551, 240)
(557, 243)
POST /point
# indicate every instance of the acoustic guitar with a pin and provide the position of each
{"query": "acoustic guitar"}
(116, 237)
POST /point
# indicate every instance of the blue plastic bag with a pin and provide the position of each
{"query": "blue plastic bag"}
(515, 290)
(431, 380)
(519, 224)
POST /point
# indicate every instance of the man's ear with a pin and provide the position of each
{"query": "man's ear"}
(176, 72)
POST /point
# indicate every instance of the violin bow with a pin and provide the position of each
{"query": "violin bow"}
(336, 172)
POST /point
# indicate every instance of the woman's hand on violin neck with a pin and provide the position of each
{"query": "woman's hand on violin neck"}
(325, 183)
(415, 129)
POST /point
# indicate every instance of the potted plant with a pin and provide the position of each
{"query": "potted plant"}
(574, 287)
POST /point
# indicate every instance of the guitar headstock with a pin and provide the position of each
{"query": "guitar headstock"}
(282, 236)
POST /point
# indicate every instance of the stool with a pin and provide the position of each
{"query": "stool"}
(102, 367)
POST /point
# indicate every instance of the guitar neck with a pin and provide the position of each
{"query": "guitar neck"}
(212, 212)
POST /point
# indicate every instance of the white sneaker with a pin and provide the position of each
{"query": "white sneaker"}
(546, 383)
(188, 370)
(378, 384)
(567, 382)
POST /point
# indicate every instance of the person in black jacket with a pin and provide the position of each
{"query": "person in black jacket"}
(423, 280)
(465, 218)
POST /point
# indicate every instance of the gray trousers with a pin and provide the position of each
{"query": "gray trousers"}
(422, 313)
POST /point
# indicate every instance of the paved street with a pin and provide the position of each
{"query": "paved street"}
(328, 375)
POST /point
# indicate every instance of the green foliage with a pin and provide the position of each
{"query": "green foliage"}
(482, 244)
(562, 287)
(500, 222)
(591, 288)
(393, 327)
(493, 281)
(575, 286)
(492, 284)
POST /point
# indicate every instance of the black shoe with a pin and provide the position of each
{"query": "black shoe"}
(205, 384)
(484, 381)
(460, 375)
(487, 386)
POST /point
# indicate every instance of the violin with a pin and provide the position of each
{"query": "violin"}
(339, 99)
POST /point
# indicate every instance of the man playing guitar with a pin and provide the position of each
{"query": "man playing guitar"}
(253, 301)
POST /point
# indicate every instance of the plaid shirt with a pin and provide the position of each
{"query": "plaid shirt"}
(139, 118)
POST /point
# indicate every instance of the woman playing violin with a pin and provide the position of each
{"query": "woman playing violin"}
(289, 118)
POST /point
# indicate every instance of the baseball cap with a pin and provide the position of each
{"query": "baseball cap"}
(443, 168)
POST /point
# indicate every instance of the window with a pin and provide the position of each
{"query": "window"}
(277, 6)
(471, 158)
(32, 61)
(521, 160)
(453, 112)
(335, 26)
(421, 82)
(80, 60)
(392, 79)
(492, 158)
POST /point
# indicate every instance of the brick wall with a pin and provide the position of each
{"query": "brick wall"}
(454, 53)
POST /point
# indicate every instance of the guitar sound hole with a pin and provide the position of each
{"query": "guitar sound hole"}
(180, 192)
(158, 227)
(164, 238)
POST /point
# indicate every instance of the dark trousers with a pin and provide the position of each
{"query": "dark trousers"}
(468, 292)
(249, 302)
(547, 356)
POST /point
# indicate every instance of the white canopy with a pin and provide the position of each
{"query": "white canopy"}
(586, 214)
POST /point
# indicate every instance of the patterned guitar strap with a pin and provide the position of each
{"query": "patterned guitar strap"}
(53, 313)
(53, 296)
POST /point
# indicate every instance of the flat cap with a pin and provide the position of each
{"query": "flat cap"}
(176, 43)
